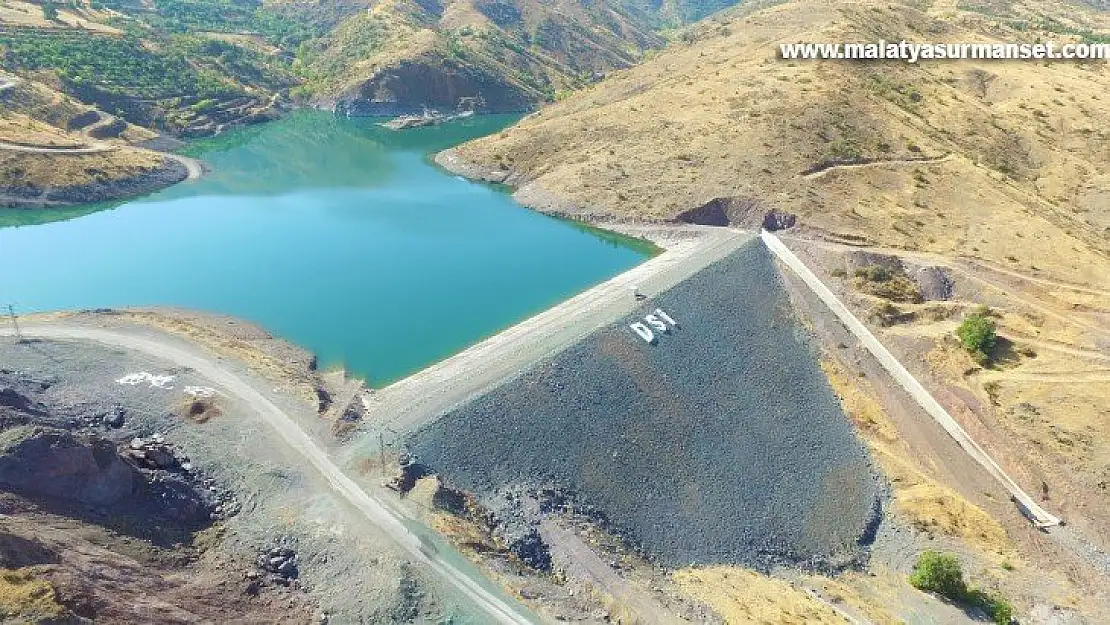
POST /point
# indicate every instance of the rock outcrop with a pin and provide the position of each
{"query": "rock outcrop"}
(44, 462)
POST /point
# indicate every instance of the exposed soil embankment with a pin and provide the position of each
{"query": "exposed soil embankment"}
(412, 86)
(168, 173)
(720, 442)
(129, 415)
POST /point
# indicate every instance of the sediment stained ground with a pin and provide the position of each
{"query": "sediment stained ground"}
(720, 443)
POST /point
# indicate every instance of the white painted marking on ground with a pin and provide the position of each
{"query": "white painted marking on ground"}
(164, 382)
(200, 391)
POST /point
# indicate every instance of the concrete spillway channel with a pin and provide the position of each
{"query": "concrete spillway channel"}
(717, 440)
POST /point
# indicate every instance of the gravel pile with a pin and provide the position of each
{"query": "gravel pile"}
(719, 443)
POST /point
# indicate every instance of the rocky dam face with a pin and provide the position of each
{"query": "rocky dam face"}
(700, 429)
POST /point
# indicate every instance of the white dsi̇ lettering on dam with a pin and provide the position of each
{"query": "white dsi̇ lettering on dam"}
(658, 321)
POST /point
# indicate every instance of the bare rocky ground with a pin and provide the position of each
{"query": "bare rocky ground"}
(141, 493)
(718, 443)
(941, 499)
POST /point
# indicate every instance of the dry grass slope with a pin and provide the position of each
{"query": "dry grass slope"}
(743, 596)
(1026, 183)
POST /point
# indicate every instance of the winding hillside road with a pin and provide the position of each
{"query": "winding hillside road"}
(95, 148)
(1029, 507)
(385, 518)
(192, 165)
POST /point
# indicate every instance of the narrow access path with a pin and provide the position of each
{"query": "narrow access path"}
(384, 517)
(813, 175)
(949, 327)
(94, 148)
(410, 403)
(578, 560)
(192, 165)
(961, 263)
(1030, 508)
(974, 270)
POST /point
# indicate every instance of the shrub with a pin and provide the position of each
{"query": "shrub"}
(939, 573)
(942, 574)
(978, 335)
(1003, 612)
(875, 273)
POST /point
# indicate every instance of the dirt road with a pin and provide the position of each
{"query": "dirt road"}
(577, 560)
(385, 518)
(988, 275)
(96, 148)
(192, 165)
(905, 379)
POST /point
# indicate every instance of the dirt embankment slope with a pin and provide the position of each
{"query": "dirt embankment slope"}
(274, 537)
(55, 151)
(1001, 160)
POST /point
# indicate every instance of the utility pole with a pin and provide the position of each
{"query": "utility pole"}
(15, 322)
(381, 448)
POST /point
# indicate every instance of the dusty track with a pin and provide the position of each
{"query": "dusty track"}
(975, 270)
(906, 380)
(97, 148)
(895, 161)
(192, 165)
(388, 520)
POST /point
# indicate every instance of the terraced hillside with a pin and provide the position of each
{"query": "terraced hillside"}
(182, 85)
(55, 150)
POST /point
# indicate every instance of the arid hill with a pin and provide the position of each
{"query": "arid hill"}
(924, 194)
(399, 55)
(1002, 160)
(57, 151)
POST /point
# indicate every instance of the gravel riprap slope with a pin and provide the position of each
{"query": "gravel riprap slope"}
(721, 443)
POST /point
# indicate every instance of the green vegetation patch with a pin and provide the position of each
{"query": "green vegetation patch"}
(942, 574)
(112, 65)
(182, 16)
(978, 334)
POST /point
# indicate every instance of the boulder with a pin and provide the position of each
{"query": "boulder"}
(114, 418)
(54, 463)
(776, 220)
(934, 283)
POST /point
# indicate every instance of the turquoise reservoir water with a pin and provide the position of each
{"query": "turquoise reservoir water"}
(336, 234)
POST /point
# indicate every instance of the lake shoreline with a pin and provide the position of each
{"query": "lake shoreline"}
(537, 199)
(357, 234)
(171, 172)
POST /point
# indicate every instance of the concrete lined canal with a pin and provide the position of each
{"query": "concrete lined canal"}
(336, 234)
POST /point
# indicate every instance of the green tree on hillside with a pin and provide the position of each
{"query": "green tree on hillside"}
(978, 335)
(942, 574)
(49, 11)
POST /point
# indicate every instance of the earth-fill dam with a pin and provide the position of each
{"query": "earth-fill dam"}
(716, 440)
